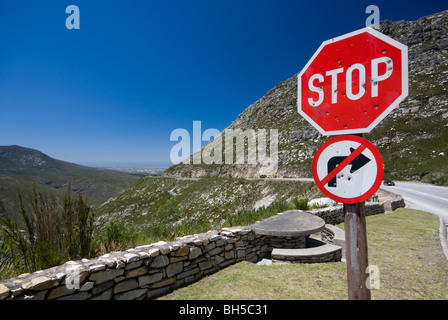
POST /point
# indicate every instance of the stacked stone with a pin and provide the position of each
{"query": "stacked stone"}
(145, 272)
(335, 215)
(320, 254)
(331, 215)
(248, 246)
(287, 242)
(327, 235)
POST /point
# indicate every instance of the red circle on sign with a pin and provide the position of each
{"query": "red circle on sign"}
(365, 144)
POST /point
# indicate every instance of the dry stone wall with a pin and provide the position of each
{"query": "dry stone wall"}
(147, 272)
(144, 272)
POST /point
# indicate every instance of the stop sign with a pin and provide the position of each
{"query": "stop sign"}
(352, 82)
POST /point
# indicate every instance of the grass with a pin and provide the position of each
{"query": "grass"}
(405, 246)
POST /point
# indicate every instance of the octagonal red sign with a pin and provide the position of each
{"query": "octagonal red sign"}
(352, 82)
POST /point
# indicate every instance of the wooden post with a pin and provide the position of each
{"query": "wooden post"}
(356, 251)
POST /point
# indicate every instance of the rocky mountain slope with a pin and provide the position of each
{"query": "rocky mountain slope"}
(412, 139)
(21, 168)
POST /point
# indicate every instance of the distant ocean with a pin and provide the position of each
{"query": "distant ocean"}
(125, 164)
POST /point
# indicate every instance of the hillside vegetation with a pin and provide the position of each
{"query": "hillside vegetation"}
(188, 204)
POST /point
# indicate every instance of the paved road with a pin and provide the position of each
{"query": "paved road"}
(421, 196)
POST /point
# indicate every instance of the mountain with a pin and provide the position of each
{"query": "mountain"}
(412, 139)
(21, 168)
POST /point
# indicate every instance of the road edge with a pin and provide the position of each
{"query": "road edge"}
(443, 230)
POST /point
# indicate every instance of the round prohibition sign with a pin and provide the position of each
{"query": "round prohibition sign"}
(348, 169)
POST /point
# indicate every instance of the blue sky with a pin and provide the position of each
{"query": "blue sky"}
(113, 91)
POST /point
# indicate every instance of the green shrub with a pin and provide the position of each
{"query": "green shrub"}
(300, 204)
(47, 232)
(118, 234)
(247, 217)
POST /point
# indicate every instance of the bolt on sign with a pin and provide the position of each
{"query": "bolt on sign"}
(352, 82)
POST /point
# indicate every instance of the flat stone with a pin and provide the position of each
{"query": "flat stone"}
(206, 264)
(4, 291)
(146, 246)
(153, 252)
(23, 275)
(183, 251)
(60, 292)
(106, 275)
(194, 253)
(215, 237)
(127, 285)
(74, 277)
(217, 250)
(210, 246)
(131, 257)
(131, 295)
(40, 283)
(15, 292)
(229, 255)
(136, 272)
(77, 296)
(290, 223)
(307, 253)
(97, 267)
(226, 233)
(87, 286)
(133, 265)
(102, 287)
(105, 295)
(177, 259)
(174, 268)
(160, 261)
(166, 249)
(188, 273)
(120, 264)
(198, 242)
(160, 243)
(162, 283)
(143, 254)
(144, 280)
(157, 292)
